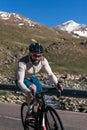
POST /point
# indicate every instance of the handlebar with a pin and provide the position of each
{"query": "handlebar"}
(49, 91)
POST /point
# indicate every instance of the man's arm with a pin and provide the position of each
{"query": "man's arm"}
(52, 75)
(49, 71)
(20, 78)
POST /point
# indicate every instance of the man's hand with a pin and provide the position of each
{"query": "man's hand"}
(59, 87)
(30, 95)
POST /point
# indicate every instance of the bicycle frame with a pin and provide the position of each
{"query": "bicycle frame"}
(43, 122)
(42, 116)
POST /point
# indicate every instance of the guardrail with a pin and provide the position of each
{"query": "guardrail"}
(69, 92)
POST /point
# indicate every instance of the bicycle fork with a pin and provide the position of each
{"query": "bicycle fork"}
(43, 122)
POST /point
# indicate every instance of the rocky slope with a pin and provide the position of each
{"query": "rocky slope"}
(64, 103)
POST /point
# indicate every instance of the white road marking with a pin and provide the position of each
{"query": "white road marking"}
(8, 117)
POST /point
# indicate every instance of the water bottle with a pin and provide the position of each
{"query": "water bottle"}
(35, 109)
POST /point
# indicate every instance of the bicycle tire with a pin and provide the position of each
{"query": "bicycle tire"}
(52, 119)
(23, 115)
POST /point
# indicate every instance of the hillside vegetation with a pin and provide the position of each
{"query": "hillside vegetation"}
(64, 53)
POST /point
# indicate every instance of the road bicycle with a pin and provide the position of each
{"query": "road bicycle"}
(47, 118)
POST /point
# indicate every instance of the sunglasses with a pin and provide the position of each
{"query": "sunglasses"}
(37, 55)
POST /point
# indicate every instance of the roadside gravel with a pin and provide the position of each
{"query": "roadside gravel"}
(64, 103)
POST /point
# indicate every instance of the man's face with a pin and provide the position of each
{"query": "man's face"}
(36, 58)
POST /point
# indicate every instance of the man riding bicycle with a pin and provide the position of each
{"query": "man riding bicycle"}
(28, 67)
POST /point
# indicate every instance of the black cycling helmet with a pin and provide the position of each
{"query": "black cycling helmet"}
(36, 48)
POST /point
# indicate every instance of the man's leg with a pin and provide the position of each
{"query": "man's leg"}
(37, 84)
(32, 87)
(29, 99)
(39, 88)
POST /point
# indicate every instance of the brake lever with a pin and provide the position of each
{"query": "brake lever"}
(59, 92)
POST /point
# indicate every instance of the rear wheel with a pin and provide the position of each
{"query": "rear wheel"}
(52, 119)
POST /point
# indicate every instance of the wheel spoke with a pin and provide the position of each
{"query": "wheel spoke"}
(53, 121)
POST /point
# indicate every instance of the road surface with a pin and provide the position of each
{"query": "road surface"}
(10, 118)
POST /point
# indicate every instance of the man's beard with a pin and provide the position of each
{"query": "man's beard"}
(35, 62)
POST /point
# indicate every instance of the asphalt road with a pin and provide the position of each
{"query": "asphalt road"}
(10, 118)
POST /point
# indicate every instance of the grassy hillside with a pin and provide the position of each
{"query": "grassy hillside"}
(64, 53)
(68, 57)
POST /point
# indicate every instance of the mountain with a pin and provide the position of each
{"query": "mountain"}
(35, 30)
(17, 19)
(64, 52)
(73, 27)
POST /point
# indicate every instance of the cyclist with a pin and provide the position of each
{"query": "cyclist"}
(28, 67)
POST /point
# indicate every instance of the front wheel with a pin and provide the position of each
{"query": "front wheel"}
(24, 109)
(52, 119)
(29, 126)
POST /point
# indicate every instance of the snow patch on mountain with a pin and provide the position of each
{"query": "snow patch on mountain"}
(81, 33)
(5, 15)
(69, 26)
(76, 28)
(17, 19)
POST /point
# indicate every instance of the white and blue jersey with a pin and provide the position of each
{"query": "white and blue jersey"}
(27, 70)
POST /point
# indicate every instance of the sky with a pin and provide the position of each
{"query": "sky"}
(48, 12)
